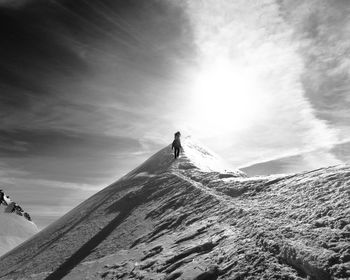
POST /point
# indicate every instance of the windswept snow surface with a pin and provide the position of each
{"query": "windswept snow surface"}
(193, 155)
(205, 159)
(180, 219)
(14, 229)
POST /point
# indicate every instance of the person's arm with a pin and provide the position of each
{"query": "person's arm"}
(172, 145)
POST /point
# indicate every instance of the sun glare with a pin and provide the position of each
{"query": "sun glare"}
(224, 97)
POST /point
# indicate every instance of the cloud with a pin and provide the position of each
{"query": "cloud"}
(322, 29)
(47, 200)
(88, 66)
(259, 51)
(13, 3)
(70, 157)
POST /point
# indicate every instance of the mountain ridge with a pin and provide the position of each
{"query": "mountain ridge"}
(169, 219)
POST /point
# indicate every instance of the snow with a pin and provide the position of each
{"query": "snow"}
(14, 229)
(203, 158)
(193, 155)
(185, 219)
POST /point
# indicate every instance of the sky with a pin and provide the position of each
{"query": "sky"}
(90, 89)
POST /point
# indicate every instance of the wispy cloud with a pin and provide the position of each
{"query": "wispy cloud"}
(263, 57)
(321, 28)
(13, 3)
(45, 200)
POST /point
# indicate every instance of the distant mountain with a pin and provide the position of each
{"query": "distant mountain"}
(14, 227)
(342, 151)
(191, 218)
(301, 162)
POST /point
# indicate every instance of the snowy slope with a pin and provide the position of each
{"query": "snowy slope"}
(193, 155)
(184, 219)
(14, 229)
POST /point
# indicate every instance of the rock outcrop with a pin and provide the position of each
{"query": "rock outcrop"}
(15, 226)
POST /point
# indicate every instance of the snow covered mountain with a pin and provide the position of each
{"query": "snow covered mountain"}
(191, 218)
(14, 228)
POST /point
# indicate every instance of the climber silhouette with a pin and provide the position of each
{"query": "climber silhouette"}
(176, 145)
(2, 195)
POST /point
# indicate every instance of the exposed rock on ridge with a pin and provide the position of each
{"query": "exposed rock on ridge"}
(15, 226)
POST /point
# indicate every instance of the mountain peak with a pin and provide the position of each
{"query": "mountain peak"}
(194, 155)
(15, 225)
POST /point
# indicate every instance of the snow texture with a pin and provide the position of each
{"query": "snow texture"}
(14, 229)
(180, 219)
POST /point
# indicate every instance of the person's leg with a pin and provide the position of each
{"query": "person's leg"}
(177, 152)
(174, 152)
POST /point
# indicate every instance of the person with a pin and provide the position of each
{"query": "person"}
(1, 197)
(176, 146)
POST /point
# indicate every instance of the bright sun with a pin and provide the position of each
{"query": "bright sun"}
(225, 98)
